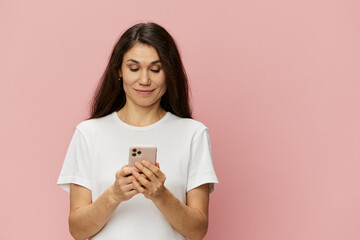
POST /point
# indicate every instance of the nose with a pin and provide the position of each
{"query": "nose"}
(144, 78)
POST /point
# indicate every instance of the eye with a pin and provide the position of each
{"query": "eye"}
(134, 69)
(155, 70)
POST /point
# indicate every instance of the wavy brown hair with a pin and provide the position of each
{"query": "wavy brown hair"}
(109, 94)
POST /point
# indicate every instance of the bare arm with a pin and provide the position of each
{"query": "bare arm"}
(87, 218)
(190, 219)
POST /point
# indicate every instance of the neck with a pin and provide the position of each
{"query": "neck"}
(140, 116)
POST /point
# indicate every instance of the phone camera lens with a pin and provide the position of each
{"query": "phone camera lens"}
(139, 152)
(134, 150)
(134, 154)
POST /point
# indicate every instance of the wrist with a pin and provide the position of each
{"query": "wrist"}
(161, 196)
(114, 198)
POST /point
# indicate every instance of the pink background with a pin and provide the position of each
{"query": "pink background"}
(277, 83)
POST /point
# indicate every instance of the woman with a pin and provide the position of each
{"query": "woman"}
(141, 100)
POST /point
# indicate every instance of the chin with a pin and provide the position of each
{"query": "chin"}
(146, 103)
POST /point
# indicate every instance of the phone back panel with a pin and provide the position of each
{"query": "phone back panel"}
(139, 153)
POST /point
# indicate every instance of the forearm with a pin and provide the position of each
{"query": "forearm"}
(188, 221)
(86, 221)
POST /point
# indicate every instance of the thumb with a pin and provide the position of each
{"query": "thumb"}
(117, 174)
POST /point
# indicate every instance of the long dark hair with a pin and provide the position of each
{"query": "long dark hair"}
(109, 94)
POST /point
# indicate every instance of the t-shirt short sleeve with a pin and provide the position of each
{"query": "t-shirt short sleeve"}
(76, 166)
(201, 169)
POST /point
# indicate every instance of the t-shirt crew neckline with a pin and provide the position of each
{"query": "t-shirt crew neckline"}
(151, 126)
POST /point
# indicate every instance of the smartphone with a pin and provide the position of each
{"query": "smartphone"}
(139, 153)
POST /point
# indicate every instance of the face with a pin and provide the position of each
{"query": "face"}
(143, 77)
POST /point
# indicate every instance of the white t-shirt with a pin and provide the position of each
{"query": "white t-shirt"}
(100, 147)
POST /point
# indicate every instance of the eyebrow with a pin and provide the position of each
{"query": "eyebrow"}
(153, 62)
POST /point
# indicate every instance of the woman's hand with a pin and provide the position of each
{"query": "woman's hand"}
(190, 219)
(123, 188)
(151, 182)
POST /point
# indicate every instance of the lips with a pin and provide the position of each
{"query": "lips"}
(144, 92)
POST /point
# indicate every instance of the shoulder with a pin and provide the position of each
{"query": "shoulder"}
(188, 124)
(89, 126)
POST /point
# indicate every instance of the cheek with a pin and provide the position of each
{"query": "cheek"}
(125, 85)
(162, 82)
(128, 80)
(163, 88)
